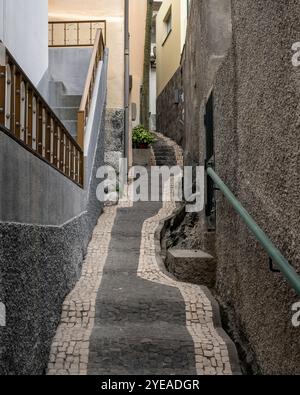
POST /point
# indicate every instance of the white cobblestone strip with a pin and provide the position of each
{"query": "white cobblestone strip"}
(70, 348)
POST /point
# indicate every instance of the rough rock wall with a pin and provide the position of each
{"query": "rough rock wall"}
(208, 39)
(169, 109)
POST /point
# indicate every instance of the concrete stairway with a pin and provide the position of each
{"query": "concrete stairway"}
(65, 106)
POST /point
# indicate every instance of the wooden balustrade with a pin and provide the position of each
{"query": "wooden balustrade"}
(30, 120)
(84, 109)
(75, 33)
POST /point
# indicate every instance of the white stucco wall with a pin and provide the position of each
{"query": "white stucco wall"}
(24, 31)
(1, 19)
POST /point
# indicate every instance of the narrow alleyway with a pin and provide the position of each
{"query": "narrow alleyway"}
(125, 315)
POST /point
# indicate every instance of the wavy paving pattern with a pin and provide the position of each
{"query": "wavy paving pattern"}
(125, 315)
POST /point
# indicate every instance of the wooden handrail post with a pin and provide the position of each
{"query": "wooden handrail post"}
(2, 82)
(80, 128)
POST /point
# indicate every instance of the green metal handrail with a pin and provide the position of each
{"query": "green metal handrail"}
(285, 267)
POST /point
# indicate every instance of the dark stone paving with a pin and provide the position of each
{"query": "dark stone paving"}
(140, 326)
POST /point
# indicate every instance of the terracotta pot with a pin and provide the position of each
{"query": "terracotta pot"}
(143, 146)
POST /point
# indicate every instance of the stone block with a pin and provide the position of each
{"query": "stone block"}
(193, 266)
(141, 157)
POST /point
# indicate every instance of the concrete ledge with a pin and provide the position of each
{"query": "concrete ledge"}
(141, 157)
(192, 266)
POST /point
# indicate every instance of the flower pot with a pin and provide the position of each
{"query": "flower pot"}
(141, 156)
(143, 146)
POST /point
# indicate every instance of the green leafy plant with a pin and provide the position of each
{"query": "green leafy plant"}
(141, 137)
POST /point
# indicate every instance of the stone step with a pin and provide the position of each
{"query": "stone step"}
(162, 148)
(70, 101)
(150, 348)
(163, 153)
(144, 310)
(165, 157)
(96, 370)
(165, 163)
(192, 266)
(66, 113)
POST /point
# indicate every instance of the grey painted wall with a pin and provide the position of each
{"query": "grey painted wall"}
(28, 196)
(70, 65)
(256, 116)
(39, 264)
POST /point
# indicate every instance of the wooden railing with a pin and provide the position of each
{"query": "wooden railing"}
(75, 33)
(85, 104)
(30, 120)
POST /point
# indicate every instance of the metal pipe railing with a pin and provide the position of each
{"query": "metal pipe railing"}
(285, 267)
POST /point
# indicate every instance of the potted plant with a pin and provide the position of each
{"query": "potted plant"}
(141, 141)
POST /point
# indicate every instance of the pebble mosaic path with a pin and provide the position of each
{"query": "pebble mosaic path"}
(126, 315)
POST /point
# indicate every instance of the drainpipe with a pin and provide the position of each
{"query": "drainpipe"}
(126, 81)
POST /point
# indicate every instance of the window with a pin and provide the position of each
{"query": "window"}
(168, 23)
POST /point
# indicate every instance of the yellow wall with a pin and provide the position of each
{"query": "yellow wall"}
(113, 12)
(137, 26)
(169, 49)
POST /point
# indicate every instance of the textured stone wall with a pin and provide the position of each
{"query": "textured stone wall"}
(256, 133)
(39, 266)
(257, 154)
(169, 110)
(207, 42)
(114, 137)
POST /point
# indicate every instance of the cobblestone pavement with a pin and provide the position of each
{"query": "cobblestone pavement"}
(126, 315)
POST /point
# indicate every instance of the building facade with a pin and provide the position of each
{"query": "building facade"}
(26, 35)
(113, 12)
(171, 25)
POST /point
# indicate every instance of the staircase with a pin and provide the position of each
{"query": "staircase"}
(164, 153)
(65, 106)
